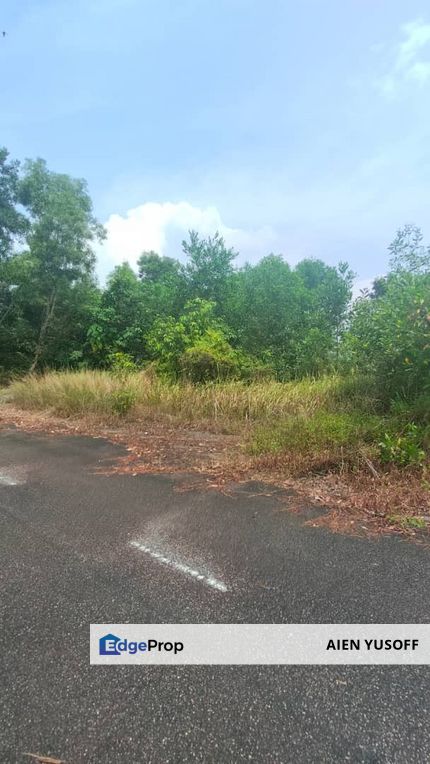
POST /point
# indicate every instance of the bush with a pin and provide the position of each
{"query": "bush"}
(123, 401)
(201, 365)
(170, 338)
(403, 450)
(389, 334)
(417, 411)
(212, 359)
(121, 364)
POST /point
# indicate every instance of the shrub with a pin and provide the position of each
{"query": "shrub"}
(203, 365)
(169, 338)
(121, 364)
(123, 400)
(389, 334)
(403, 450)
(408, 521)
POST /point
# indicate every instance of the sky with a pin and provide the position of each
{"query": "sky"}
(299, 128)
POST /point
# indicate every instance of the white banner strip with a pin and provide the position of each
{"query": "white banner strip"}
(260, 644)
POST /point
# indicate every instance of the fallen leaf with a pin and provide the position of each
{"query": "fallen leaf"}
(44, 759)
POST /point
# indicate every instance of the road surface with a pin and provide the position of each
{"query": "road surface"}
(66, 560)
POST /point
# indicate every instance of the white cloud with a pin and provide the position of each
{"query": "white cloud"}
(162, 226)
(410, 59)
(417, 36)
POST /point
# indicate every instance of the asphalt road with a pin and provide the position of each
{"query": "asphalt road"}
(66, 561)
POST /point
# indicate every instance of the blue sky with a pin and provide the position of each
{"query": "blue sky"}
(299, 128)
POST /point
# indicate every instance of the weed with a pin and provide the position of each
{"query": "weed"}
(407, 521)
(328, 421)
(326, 430)
(121, 364)
(123, 401)
(403, 450)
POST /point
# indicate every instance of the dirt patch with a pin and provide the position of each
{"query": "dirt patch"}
(359, 503)
(154, 446)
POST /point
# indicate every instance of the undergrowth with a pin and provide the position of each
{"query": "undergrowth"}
(331, 423)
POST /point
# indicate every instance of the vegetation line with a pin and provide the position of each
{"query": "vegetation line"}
(279, 355)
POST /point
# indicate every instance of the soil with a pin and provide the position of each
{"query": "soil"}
(359, 503)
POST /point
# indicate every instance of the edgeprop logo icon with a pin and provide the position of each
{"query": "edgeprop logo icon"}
(110, 644)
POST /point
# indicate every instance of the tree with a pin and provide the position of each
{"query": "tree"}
(195, 344)
(164, 285)
(326, 297)
(389, 335)
(331, 290)
(408, 254)
(153, 268)
(264, 311)
(16, 299)
(121, 319)
(290, 318)
(13, 223)
(62, 231)
(209, 267)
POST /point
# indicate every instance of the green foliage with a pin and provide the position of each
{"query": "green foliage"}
(195, 347)
(322, 430)
(62, 223)
(211, 358)
(403, 450)
(13, 224)
(290, 319)
(164, 288)
(47, 312)
(121, 364)
(408, 254)
(389, 333)
(205, 321)
(170, 338)
(122, 401)
(264, 311)
(120, 320)
(418, 410)
(407, 521)
(209, 267)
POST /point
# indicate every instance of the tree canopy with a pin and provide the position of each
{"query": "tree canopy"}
(198, 315)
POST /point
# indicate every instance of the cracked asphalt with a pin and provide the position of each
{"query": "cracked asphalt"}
(66, 561)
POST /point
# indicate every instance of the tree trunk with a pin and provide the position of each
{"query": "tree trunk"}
(47, 318)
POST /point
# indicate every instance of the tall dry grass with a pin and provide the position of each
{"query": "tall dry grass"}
(99, 392)
(305, 428)
(315, 424)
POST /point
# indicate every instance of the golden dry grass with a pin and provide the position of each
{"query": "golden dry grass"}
(321, 434)
(96, 392)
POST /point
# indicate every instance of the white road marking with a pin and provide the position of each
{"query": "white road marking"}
(14, 474)
(209, 580)
(9, 479)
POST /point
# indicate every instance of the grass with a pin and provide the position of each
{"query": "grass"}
(332, 438)
(70, 393)
(82, 392)
(332, 417)
(407, 521)
(320, 424)
(326, 432)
